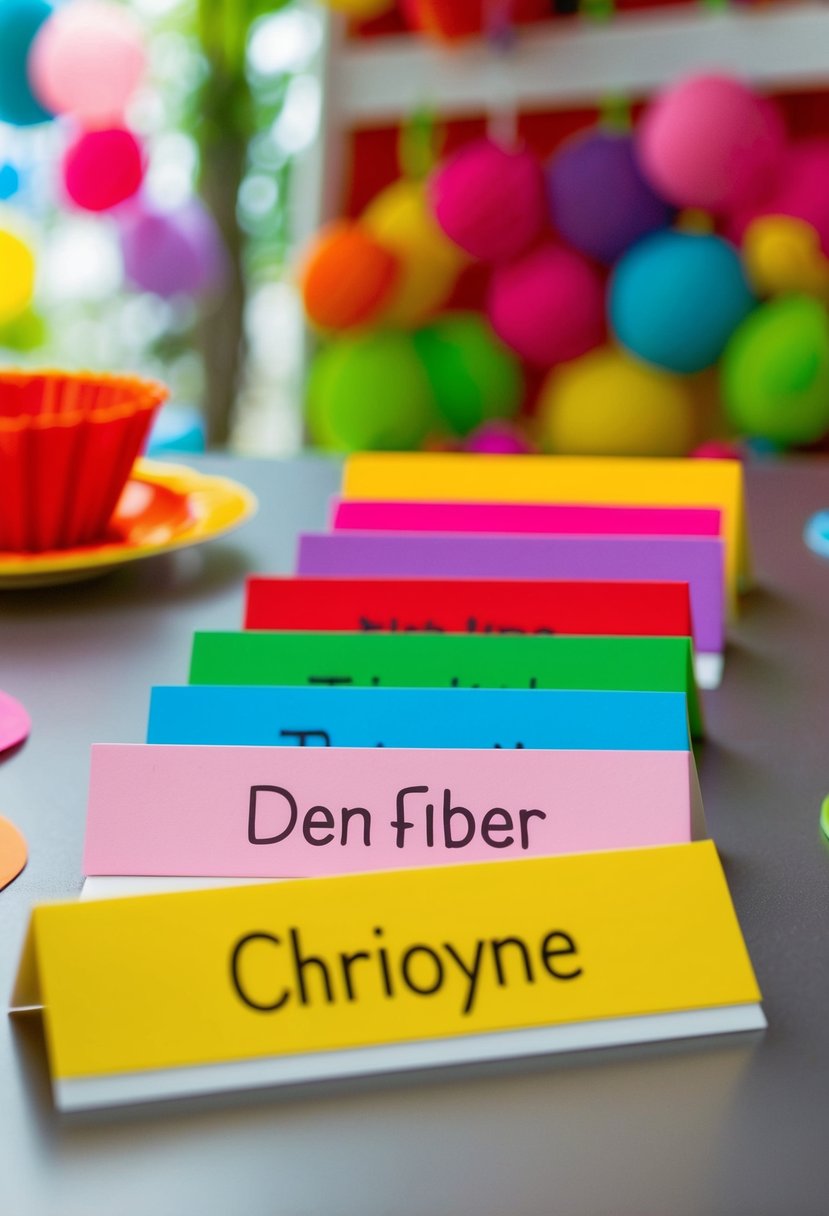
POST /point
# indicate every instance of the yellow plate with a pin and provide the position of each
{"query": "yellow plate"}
(163, 507)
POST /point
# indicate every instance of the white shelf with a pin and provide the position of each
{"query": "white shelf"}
(572, 62)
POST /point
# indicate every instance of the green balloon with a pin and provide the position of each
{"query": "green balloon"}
(775, 372)
(369, 393)
(474, 377)
(25, 333)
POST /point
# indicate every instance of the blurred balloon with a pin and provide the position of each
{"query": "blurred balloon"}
(609, 404)
(676, 298)
(27, 332)
(775, 372)
(548, 306)
(473, 377)
(102, 169)
(20, 21)
(709, 141)
(87, 60)
(177, 428)
(601, 203)
(719, 449)
(360, 10)
(490, 200)
(172, 253)
(801, 191)
(400, 220)
(783, 255)
(498, 438)
(348, 277)
(370, 392)
(9, 181)
(451, 20)
(17, 276)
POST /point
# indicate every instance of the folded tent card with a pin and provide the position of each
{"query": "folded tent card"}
(695, 561)
(553, 519)
(273, 716)
(571, 480)
(263, 812)
(248, 987)
(438, 660)
(456, 605)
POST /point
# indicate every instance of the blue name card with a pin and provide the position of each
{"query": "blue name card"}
(262, 716)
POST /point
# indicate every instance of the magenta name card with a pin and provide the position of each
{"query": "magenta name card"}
(547, 518)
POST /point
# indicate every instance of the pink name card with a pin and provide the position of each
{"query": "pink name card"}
(260, 812)
(554, 519)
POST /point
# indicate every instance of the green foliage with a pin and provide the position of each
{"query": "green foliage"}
(223, 27)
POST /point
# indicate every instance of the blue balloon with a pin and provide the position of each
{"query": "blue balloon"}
(20, 21)
(677, 297)
(9, 181)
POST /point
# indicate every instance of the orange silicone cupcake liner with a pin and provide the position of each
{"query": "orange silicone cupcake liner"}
(67, 444)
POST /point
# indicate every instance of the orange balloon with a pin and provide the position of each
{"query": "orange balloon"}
(348, 278)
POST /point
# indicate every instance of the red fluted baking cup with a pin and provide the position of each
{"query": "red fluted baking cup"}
(67, 444)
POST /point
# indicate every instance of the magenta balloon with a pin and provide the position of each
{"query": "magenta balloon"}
(490, 200)
(87, 60)
(497, 438)
(173, 253)
(102, 169)
(709, 141)
(548, 306)
(801, 191)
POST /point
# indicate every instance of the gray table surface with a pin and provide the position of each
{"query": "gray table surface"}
(732, 1126)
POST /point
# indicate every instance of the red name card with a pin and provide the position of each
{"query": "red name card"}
(469, 606)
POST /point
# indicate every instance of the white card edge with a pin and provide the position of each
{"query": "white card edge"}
(87, 1093)
(708, 669)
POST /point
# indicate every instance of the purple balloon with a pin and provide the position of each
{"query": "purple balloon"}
(600, 202)
(173, 253)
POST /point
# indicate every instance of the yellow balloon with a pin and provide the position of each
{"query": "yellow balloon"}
(17, 276)
(782, 254)
(360, 10)
(400, 219)
(609, 404)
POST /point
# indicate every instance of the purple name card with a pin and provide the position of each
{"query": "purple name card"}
(699, 562)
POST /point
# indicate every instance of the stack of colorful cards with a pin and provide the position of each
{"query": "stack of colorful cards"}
(468, 720)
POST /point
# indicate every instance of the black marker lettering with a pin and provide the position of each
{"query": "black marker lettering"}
(400, 823)
(235, 961)
(256, 791)
(302, 737)
(471, 972)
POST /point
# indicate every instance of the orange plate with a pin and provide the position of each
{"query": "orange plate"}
(163, 507)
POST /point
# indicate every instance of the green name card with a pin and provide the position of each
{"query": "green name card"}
(423, 660)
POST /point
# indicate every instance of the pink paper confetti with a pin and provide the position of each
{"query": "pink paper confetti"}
(15, 723)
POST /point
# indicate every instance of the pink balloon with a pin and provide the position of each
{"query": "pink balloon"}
(718, 449)
(802, 192)
(489, 200)
(548, 306)
(498, 438)
(87, 61)
(710, 142)
(102, 169)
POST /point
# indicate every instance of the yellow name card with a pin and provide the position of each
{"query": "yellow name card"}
(601, 481)
(238, 987)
